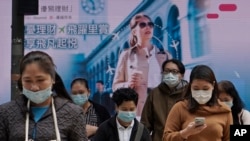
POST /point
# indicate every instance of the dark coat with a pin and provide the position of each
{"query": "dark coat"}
(101, 112)
(108, 131)
(158, 105)
(70, 120)
(105, 100)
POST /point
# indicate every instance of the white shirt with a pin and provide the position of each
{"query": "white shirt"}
(124, 133)
(154, 72)
(244, 115)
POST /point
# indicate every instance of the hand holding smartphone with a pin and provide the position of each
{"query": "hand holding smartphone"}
(199, 121)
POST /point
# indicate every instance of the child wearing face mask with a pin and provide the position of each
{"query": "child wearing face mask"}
(123, 126)
(199, 102)
(95, 113)
(230, 96)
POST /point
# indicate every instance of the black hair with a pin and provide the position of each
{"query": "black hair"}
(47, 65)
(100, 81)
(228, 87)
(125, 94)
(80, 80)
(178, 63)
(201, 72)
(59, 87)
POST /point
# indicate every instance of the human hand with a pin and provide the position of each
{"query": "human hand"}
(91, 130)
(192, 129)
(135, 79)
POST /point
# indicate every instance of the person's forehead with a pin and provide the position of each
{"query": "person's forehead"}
(144, 19)
(78, 85)
(171, 65)
(200, 82)
(34, 69)
(127, 104)
(223, 94)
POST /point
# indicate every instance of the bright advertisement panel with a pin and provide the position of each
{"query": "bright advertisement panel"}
(86, 37)
(5, 53)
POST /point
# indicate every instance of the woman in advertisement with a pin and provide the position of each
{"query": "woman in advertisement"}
(44, 111)
(139, 66)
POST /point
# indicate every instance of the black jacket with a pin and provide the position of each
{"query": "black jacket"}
(101, 112)
(108, 131)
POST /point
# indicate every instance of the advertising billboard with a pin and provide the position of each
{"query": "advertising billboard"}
(86, 38)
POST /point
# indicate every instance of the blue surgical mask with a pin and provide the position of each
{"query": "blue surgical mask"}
(171, 80)
(80, 99)
(38, 96)
(126, 116)
(229, 103)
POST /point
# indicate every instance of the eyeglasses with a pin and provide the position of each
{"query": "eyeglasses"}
(143, 24)
(166, 71)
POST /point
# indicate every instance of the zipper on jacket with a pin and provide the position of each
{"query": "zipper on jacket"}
(34, 132)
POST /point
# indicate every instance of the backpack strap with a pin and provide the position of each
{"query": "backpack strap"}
(139, 132)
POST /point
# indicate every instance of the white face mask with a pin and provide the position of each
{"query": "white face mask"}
(202, 96)
(38, 96)
(171, 80)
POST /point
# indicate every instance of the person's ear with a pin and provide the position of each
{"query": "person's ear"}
(181, 76)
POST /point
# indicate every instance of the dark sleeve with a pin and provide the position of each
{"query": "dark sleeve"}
(101, 111)
(101, 134)
(145, 135)
(78, 132)
(3, 127)
(104, 114)
(147, 112)
(95, 97)
(108, 103)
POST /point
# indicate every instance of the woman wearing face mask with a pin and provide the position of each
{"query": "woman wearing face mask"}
(161, 99)
(139, 66)
(230, 96)
(200, 100)
(95, 113)
(123, 126)
(44, 110)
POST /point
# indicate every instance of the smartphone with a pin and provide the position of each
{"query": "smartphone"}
(199, 121)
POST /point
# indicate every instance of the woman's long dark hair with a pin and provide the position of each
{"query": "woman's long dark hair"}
(201, 72)
(228, 87)
(59, 88)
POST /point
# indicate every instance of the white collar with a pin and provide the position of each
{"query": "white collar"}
(119, 126)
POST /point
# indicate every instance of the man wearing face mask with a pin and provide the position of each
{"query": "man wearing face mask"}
(161, 99)
(123, 126)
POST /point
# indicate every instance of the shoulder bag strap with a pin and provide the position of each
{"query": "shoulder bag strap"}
(139, 132)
